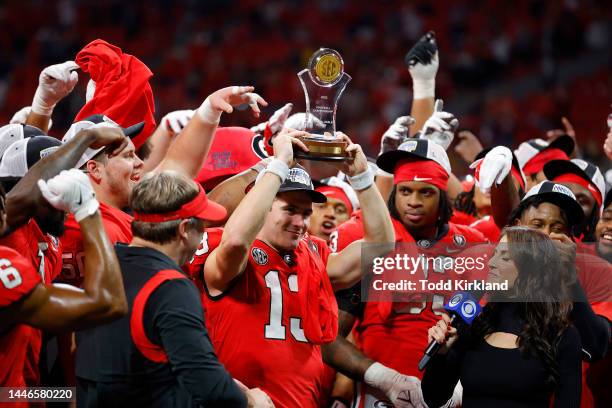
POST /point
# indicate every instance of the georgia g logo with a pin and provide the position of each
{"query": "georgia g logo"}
(258, 146)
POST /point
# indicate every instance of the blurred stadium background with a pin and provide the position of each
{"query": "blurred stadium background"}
(508, 69)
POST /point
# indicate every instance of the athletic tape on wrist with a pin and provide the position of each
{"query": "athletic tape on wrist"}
(423, 89)
(363, 180)
(279, 168)
(207, 113)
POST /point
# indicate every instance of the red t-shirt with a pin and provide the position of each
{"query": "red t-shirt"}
(17, 280)
(266, 326)
(117, 225)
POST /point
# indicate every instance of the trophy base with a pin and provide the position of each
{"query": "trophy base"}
(322, 148)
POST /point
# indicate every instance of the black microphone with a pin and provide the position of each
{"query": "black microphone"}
(462, 307)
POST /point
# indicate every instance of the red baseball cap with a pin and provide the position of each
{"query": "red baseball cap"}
(234, 149)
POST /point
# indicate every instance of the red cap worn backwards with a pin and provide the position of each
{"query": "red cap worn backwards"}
(199, 207)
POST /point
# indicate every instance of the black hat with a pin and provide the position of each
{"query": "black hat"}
(298, 179)
(585, 170)
(529, 149)
(9, 134)
(20, 156)
(560, 196)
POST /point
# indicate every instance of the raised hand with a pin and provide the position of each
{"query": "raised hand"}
(396, 134)
(286, 142)
(422, 62)
(276, 121)
(440, 128)
(493, 168)
(175, 121)
(224, 100)
(54, 83)
(357, 161)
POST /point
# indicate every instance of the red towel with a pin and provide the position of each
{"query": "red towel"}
(123, 92)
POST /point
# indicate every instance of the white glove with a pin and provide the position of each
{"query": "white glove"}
(175, 121)
(276, 121)
(396, 134)
(494, 168)
(298, 121)
(54, 83)
(422, 61)
(440, 128)
(278, 118)
(403, 391)
(70, 191)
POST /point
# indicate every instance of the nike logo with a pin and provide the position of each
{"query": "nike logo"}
(80, 198)
(421, 178)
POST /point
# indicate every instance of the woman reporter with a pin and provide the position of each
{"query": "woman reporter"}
(522, 350)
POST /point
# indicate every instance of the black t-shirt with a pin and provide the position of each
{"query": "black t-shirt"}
(173, 318)
(499, 377)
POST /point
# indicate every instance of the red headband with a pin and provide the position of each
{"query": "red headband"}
(427, 171)
(537, 162)
(574, 178)
(194, 208)
(337, 193)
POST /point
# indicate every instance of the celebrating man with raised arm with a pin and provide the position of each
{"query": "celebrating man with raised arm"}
(267, 268)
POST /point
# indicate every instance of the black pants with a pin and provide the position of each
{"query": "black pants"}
(93, 394)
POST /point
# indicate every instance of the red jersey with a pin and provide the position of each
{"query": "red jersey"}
(395, 334)
(17, 280)
(44, 253)
(486, 225)
(118, 227)
(273, 319)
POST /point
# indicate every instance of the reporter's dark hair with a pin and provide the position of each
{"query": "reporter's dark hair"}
(159, 193)
(445, 209)
(545, 279)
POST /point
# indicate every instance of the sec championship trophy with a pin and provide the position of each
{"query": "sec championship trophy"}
(323, 81)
